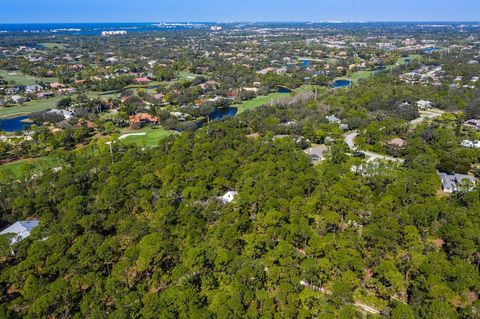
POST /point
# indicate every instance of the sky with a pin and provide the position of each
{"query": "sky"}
(37, 11)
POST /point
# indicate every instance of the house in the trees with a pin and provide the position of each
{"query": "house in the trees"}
(228, 197)
(19, 230)
(333, 119)
(457, 182)
(139, 119)
(473, 123)
(317, 153)
(142, 80)
(470, 144)
(424, 105)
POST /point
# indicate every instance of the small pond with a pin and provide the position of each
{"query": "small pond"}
(341, 83)
(14, 124)
(218, 115)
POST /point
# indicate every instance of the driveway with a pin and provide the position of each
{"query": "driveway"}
(350, 141)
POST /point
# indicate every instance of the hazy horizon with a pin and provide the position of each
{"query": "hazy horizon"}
(123, 11)
(244, 21)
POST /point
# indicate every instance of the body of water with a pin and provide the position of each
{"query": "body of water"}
(341, 83)
(14, 124)
(431, 50)
(306, 63)
(218, 115)
(223, 113)
(283, 89)
(92, 28)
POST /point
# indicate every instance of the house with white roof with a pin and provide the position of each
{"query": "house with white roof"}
(20, 230)
(422, 104)
(228, 197)
(457, 182)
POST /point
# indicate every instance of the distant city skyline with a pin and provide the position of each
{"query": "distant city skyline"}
(70, 11)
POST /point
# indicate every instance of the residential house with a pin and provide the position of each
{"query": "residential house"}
(142, 118)
(228, 197)
(457, 182)
(44, 95)
(18, 99)
(66, 114)
(333, 119)
(57, 85)
(33, 88)
(470, 144)
(142, 80)
(20, 230)
(473, 123)
(424, 105)
(398, 142)
(317, 153)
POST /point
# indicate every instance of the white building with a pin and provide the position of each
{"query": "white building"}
(470, 144)
(66, 114)
(457, 182)
(228, 197)
(422, 104)
(20, 230)
(119, 32)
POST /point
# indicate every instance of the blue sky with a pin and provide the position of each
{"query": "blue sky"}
(23, 11)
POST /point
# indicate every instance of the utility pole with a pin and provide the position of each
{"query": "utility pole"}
(111, 149)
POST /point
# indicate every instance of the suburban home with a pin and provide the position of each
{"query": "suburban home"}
(56, 85)
(33, 88)
(333, 119)
(18, 99)
(398, 143)
(20, 230)
(228, 197)
(470, 144)
(473, 123)
(66, 114)
(317, 153)
(423, 105)
(44, 95)
(457, 182)
(142, 118)
(142, 80)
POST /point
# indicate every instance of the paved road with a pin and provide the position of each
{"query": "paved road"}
(424, 115)
(350, 140)
(427, 115)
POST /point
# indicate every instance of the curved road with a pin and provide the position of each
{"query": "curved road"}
(424, 115)
(350, 140)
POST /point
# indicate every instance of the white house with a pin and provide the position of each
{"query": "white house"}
(228, 197)
(457, 182)
(470, 144)
(332, 119)
(66, 114)
(422, 104)
(20, 230)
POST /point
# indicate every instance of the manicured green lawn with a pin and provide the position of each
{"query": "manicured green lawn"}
(361, 75)
(22, 79)
(17, 167)
(29, 107)
(410, 57)
(366, 74)
(189, 76)
(150, 139)
(259, 101)
(47, 104)
(321, 90)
